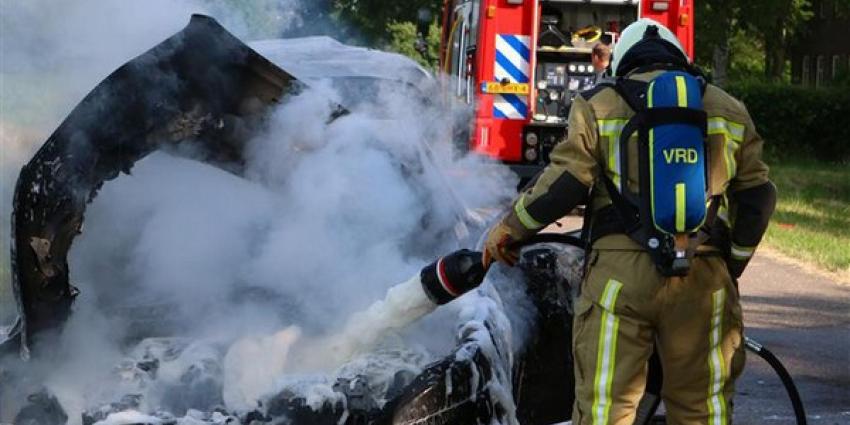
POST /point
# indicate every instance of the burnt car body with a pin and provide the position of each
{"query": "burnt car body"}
(215, 90)
(357, 74)
(208, 85)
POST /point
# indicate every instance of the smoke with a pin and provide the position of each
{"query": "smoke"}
(52, 53)
(327, 216)
(330, 217)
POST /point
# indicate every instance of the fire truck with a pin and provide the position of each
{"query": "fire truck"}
(520, 63)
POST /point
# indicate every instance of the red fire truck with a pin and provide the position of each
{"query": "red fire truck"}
(522, 62)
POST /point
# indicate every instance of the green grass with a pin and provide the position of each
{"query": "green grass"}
(812, 218)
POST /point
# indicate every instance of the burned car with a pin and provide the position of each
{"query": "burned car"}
(358, 74)
(212, 94)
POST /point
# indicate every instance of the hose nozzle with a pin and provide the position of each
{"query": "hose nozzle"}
(452, 276)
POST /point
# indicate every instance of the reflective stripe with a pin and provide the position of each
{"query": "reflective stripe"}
(680, 207)
(651, 160)
(444, 280)
(606, 353)
(652, 174)
(513, 56)
(510, 106)
(723, 214)
(682, 91)
(742, 252)
(723, 211)
(512, 64)
(524, 217)
(731, 129)
(612, 129)
(733, 135)
(507, 69)
(729, 149)
(716, 367)
(649, 94)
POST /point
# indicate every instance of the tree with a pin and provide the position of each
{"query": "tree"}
(775, 22)
(259, 19)
(714, 29)
(374, 18)
(404, 38)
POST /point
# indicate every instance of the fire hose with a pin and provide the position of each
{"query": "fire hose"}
(784, 376)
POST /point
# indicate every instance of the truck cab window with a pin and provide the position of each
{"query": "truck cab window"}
(462, 41)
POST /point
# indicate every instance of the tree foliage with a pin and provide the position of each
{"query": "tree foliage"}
(745, 27)
(385, 24)
(775, 23)
(714, 26)
(798, 121)
(404, 39)
(736, 39)
(374, 18)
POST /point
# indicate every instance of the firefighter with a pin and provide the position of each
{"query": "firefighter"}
(628, 305)
(600, 58)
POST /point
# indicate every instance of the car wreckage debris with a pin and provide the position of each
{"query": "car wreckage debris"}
(456, 389)
(42, 409)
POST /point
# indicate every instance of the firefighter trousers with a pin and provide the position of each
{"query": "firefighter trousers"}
(625, 308)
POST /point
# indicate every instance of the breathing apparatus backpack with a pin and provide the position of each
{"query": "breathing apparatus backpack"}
(672, 204)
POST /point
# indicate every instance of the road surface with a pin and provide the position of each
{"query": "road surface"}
(804, 318)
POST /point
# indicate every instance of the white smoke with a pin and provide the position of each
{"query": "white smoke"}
(53, 53)
(332, 216)
(329, 216)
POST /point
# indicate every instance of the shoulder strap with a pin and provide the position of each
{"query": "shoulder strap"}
(694, 70)
(625, 211)
(589, 93)
(706, 232)
(633, 92)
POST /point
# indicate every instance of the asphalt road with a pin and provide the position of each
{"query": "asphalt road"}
(804, 319)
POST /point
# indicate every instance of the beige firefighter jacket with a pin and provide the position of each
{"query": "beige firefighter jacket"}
(591, 147)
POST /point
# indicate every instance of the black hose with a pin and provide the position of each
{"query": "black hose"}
(777, 366)
(562, 238)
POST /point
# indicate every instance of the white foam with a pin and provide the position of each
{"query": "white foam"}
(253, 364)
(404, 304)
(128, 417)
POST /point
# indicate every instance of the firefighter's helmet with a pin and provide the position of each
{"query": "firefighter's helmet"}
(638, 31)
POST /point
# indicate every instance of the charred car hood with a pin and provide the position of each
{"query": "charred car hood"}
(202, 86)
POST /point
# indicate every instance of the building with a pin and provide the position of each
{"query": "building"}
(822, 51)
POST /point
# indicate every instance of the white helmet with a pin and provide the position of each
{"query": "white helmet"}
(634, 33)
